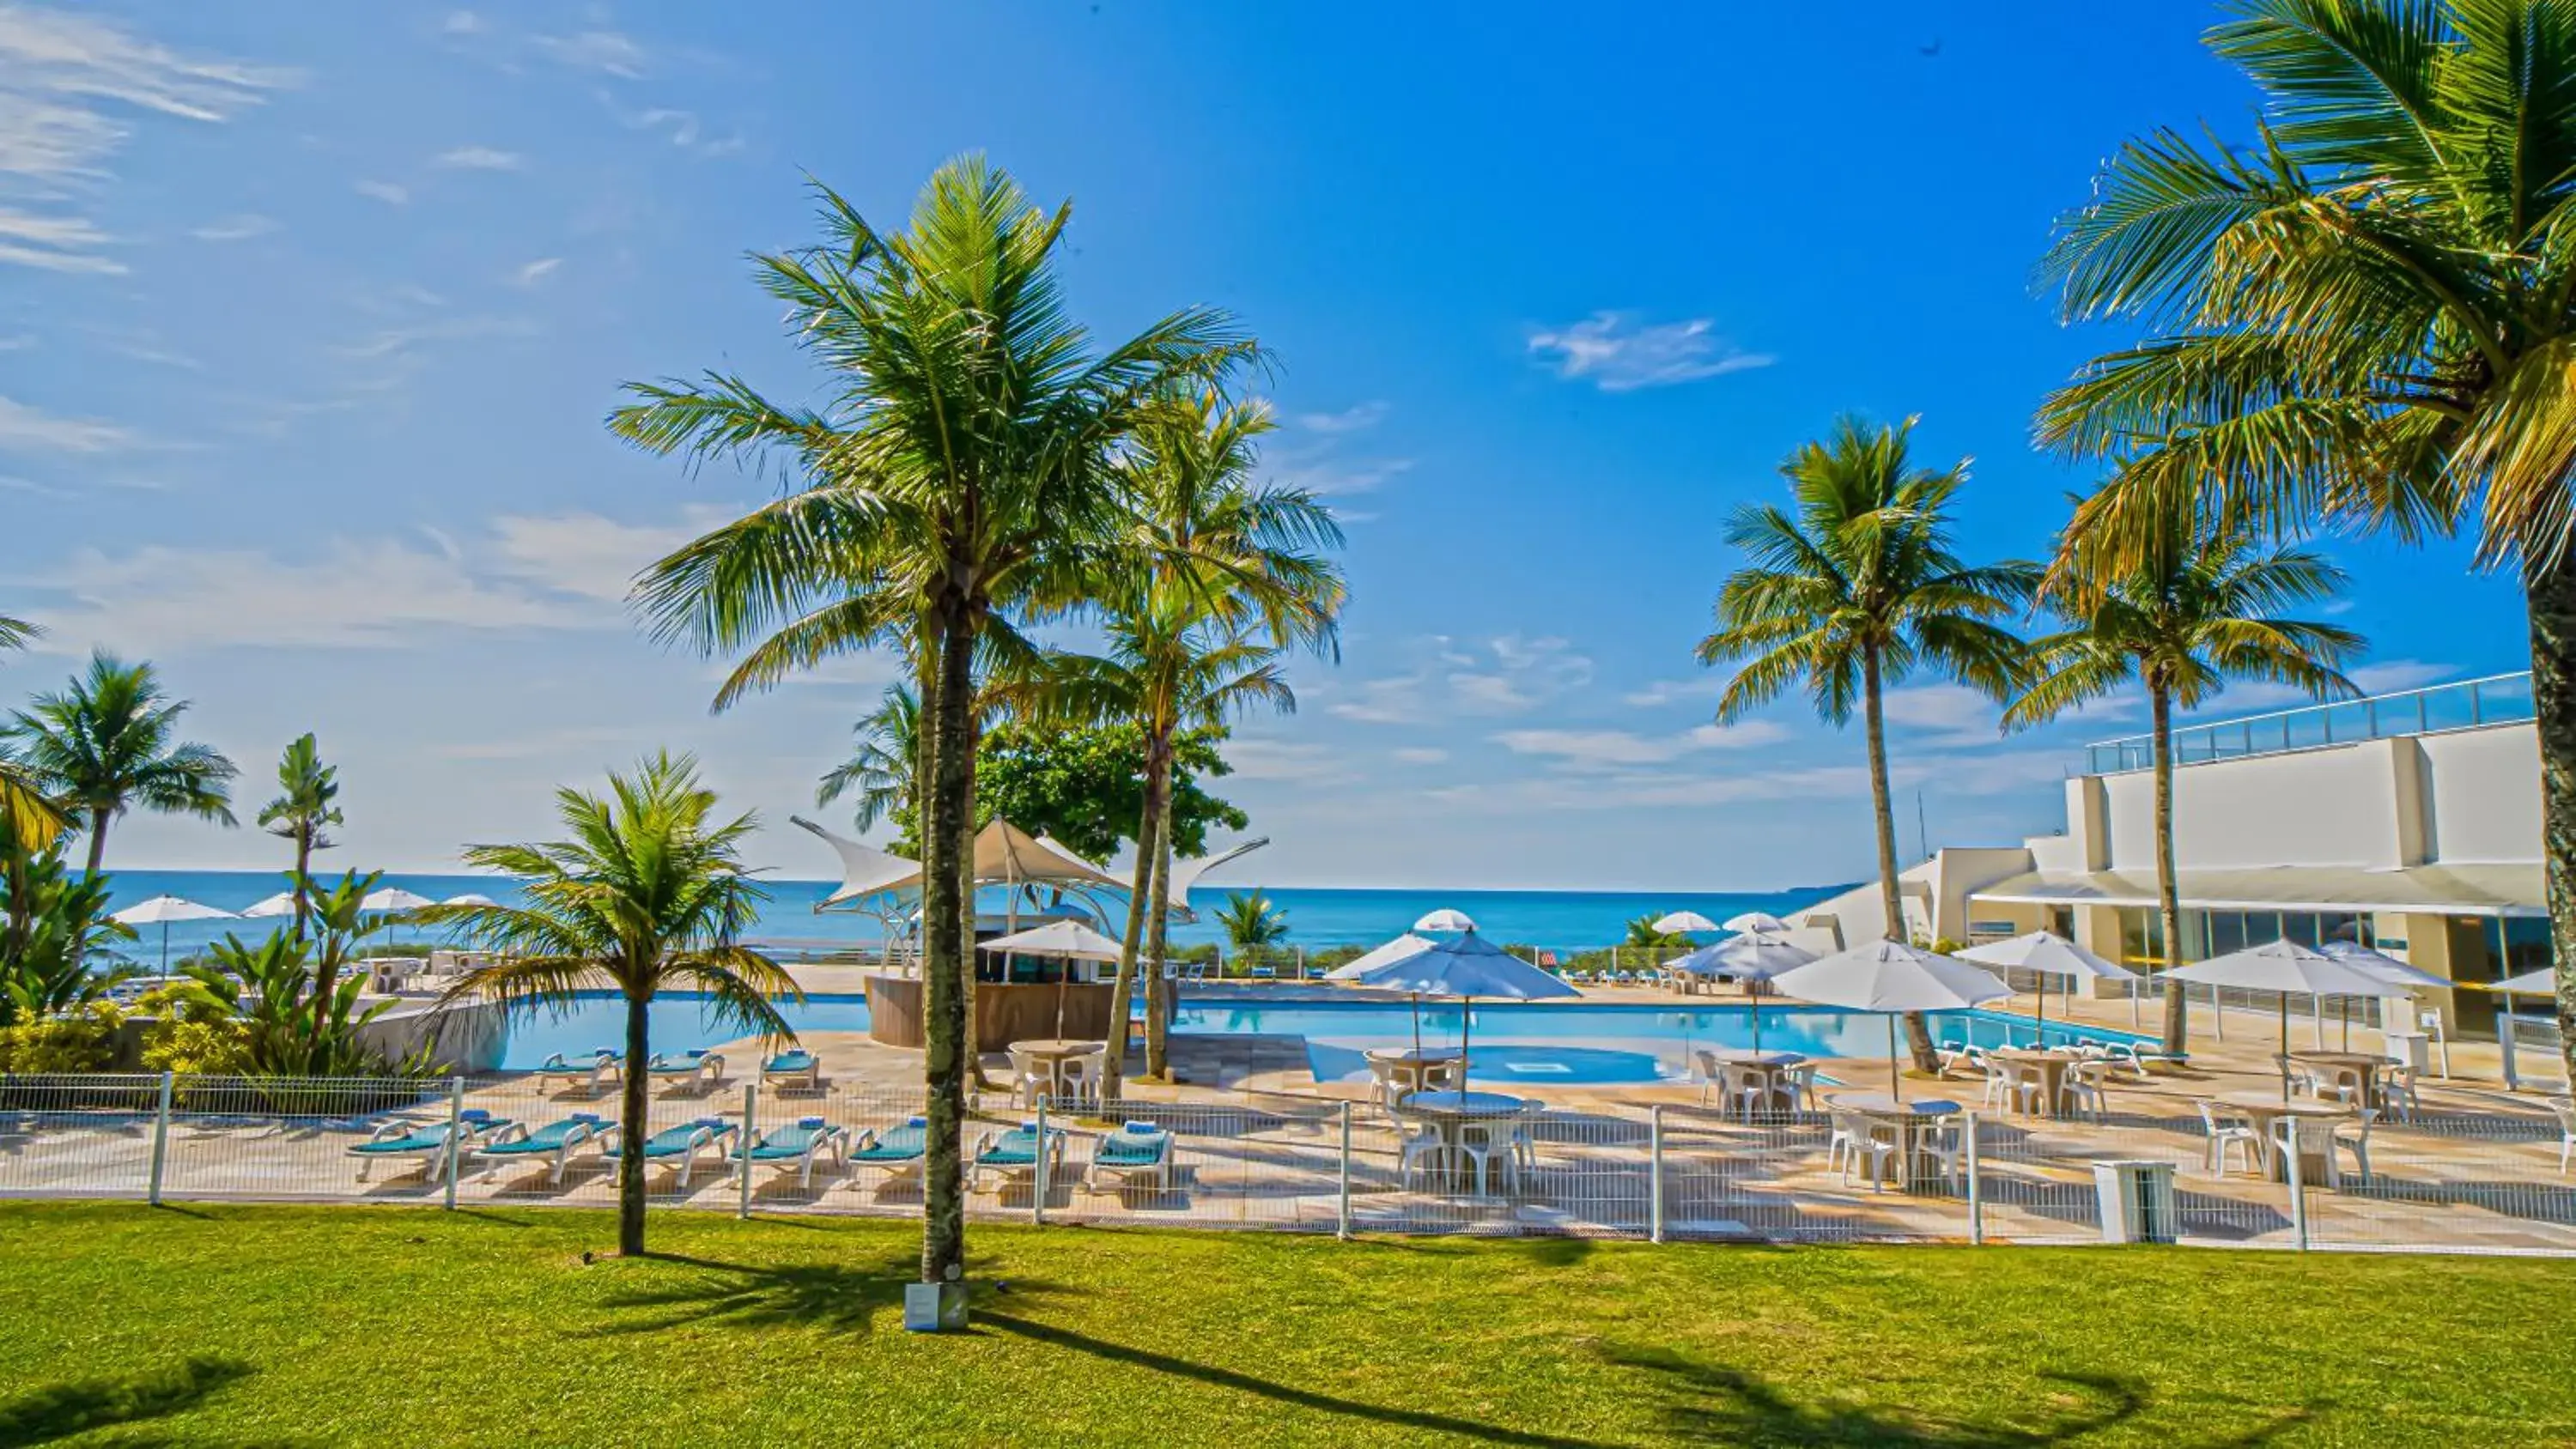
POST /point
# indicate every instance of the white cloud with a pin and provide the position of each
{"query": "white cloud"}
(402, 341)
(1619, 354)
(66, 78)
(479, 158)
(537, 271)
(1592, 749)
(241, 227)
(462, 22)
(585, 554)
(1260, 758)
(681, 128)
(25, 429)
(1658, 693)
(1502, 676)
(1953, 711)
(608, 51)
(385, 191)
(2261, 696)
(1653, 789)
(1327, 477)
(1349, 420)
(1421, 755)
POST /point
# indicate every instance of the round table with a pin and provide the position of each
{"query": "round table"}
(2049, 1066)
(1916, 1122)
(2360, 1064)
(1757, 1071)
(1049, 1054)
(2264, 1109)
(1452, 1113)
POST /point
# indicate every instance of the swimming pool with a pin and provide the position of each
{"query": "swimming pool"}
(1591, 1044)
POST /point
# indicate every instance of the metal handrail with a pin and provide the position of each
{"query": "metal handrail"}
(2488, 701)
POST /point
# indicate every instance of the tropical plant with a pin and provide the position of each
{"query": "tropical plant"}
(78, 1039)
(49, 920)
(26, 814)
(647, 893)
(2200, 607)
(1643, 933)
(1853, 592)
(2364, 317)
(283, 1018)
(956, 481)
(109, 742)
(302, 812)
(883, 756)
(1250, 921)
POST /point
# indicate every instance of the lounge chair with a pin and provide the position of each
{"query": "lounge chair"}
(703, 1071)
(800, 1069)
(427, 1143)
(590, 1073)
(1014, 1151)
(681, 1144)
(558, 1140)
(797, 1148)
(897, 1149)
(1136, 1150)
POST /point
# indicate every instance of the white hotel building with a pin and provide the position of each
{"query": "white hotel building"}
(2408, 821)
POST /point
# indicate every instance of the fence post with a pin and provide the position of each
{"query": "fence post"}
(455, 1130)
(1655, 1172)
(2298, 1188)
(1976, 1187)
(742, 1147)
(1037, 1200)
(160, 1142)
(1342, 1222)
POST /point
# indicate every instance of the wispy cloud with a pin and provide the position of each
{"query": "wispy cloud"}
(25, 429)
(1422, 755)
(1618, 353)
(683, 129)
(234, 228)
(609, 51)
(67, 80)
(1592, 749)
(1657, 693)
(1351, 419)
(385, 191)
(1951, 713)
(479, 158)
(461, 22)
(1508, 675)
(1301, 762)
(401, 341)
(536, 271)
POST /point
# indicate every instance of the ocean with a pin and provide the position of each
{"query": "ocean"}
(1556, 920)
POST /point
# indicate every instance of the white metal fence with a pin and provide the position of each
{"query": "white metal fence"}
(2486, 1182)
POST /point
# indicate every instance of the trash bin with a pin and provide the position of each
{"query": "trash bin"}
(2137, 1200)
(2411, 1049)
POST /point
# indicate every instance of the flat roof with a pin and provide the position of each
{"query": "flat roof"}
(2510, 889)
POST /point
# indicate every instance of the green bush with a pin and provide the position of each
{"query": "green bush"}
(197, 1047)
(83, 1041)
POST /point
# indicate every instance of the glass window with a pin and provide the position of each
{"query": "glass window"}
(2300, 927)
(2226, 932)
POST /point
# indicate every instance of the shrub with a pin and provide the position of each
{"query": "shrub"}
(83, 1041)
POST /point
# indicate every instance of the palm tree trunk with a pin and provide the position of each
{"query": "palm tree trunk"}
(98, 838)
(1918, 1037)
(1158, 981)
(943, 834)
(633, 1110)
(2168, 890)
(966, 982)
(2550, 595)
(1123, 993)
(303, 875)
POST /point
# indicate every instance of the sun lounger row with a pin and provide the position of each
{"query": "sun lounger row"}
(699, 1071)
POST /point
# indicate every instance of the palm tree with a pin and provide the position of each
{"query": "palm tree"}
(26, 816)
(647, 893)
(302, 812)
(2364, 317)
(883, 760)
(957, 480)
(109, 742)
(1855, 591)
(1251, 921)
(2201, 607)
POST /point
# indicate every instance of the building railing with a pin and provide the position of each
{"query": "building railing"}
(2459, 705)
(2461, 1171)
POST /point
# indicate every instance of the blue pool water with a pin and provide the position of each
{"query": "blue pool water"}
(1594, 1044)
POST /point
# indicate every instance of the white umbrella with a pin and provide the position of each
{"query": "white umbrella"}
(2399, 976)
(1444, 922)
(1685, 923)
(280, 904)
(2046, 953)
(1892, 977)
(2285, 969)
(394, 898)
(2543, 982)
(1760, 923)
(1059, 938)
(470, 898)
(1466, 968)
(161, 911)
(1386, 955)
(1747, 959)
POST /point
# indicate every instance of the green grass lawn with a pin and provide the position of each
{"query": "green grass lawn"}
(218, 1325)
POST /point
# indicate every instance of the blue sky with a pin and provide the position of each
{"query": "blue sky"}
(309, 316)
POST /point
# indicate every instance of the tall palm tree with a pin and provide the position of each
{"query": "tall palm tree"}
(646, 893)
(2201, 606)
(108, 742)
(883, 758)
(26, 815)
(1855, 591)
(957, 480)
(2366, 316)
(303, 812)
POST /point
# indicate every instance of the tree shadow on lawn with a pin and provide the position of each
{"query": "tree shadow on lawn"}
(1287, 1394)
(1716, 1404)
(836, 1297)
(42, 1416)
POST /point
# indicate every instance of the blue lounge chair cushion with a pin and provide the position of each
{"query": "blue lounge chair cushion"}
(1015, 1148)
(1131, 1149)
(425, 1140)
(902, 1144)
(790, 1143)
(549, 1138)
(669, 1142)
(790, 1062)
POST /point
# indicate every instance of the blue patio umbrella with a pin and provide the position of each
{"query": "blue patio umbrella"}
(1465, 968)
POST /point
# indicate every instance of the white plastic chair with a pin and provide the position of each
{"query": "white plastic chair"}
(2227, 1130)
(2397, 1096)
(1028, 1078)
(1854, 1137)
(2295, 1135)
(1489, 1146)
(1076, 1080)
(2084, 1090)
(1421, 1142)
(1798, 1087)
(2354, 1137)
(2564, 1109)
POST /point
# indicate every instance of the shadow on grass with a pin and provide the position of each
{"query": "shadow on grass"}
(1465, 1430)
(42, 1416)
(1716, 1404)
(836, 1297)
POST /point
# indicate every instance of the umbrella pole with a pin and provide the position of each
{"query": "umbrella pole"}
(1466, 1027)
(165, 948)
(1895, 1075)
(2040, 1042)
(1417, 1026)
(2285, 1046)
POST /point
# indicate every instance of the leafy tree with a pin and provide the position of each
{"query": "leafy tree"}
(1642, 933)
(646, 894)
(1082, 785)
(1251, 921)
(957, 480)
(2202, 606)
(2365, 317)
(302, 812)
(109, 742)
(1855, 591)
